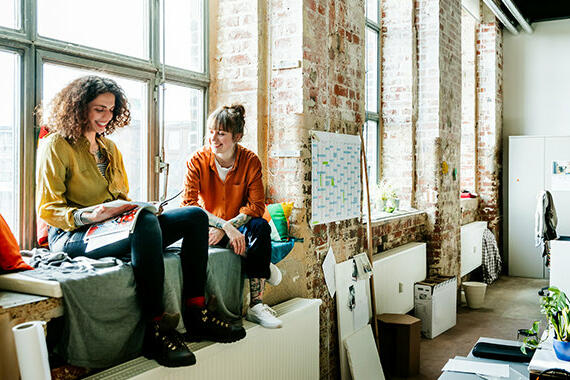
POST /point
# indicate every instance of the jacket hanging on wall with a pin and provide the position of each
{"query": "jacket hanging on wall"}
(545, 223)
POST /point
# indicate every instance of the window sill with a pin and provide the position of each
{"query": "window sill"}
(382, 217)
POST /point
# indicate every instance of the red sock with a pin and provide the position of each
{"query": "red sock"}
(196, 302)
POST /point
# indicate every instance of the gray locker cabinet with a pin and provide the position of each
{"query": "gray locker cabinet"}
(530, 171)
(526, 179)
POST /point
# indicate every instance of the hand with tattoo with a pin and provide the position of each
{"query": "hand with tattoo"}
(215, 235)
(237, 239)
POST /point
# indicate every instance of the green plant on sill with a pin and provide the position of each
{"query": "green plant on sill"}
(555, 306)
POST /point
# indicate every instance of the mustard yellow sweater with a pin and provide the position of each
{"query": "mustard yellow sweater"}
(68, 178)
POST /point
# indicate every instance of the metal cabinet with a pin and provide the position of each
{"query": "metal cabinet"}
(531, 161)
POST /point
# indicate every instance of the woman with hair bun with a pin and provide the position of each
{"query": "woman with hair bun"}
(78, 168)
(224, 178)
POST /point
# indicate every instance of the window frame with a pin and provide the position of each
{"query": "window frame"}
(36, 50)
(375, 116)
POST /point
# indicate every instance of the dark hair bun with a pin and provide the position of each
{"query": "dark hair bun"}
(238, 108)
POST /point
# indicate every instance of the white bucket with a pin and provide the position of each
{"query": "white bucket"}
(475, 293)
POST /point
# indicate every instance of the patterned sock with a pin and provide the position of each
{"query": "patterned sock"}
(256, 287)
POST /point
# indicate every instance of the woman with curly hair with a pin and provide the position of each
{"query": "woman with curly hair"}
(224, 179)
(79, 167)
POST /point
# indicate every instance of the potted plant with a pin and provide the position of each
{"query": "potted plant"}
(555, 306)
(388, 196)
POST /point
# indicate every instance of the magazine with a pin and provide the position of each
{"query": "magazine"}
(119, 227)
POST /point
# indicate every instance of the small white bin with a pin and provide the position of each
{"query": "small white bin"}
(475, 293)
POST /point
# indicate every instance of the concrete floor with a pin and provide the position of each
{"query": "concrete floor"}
(511, 303)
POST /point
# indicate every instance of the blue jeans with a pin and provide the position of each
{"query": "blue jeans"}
(145, 247)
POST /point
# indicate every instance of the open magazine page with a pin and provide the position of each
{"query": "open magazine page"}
(118, 228)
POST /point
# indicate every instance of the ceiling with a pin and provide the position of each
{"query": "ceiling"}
(541, 10)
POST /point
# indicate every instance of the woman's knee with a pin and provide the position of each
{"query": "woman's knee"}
(195, 215)
(147, 223)
(260, 227)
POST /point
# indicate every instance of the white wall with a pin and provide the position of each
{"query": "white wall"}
(536, 83)
(536, 90)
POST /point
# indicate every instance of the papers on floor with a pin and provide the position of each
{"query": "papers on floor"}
(328, 269)
(477, 367)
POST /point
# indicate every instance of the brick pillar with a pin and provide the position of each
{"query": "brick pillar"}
(238, 64)
(438, 129)
(325, 92)
(399, 96)
(490, 107)
(468, 101)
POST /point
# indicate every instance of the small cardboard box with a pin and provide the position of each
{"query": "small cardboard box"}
(399, 344)
(435, 303)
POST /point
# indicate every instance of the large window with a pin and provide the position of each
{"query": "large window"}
(372, 126)
(9, 137)
(155, 50)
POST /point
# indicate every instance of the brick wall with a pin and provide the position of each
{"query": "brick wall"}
(392, 233)
(468, 171)
(299, 69)
(238, 69)
(490, 105)
(439, 129)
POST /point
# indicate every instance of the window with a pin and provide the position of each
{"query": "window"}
(372, 126)
(182, 133)
(131, 139)
(10, 15)
(9, 138)
(104, 25)
(155, 50)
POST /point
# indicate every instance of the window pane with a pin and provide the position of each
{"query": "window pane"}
(371, 70)
(132, 139)
(371, 139)
(10, 13)
(372, 10)
(183, 133)
(9, 138)
(120, 26)
(184, 36)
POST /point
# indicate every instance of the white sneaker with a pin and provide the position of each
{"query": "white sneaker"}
(263, 315)
(276, 276)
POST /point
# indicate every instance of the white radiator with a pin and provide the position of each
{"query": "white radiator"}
(471, 246)
(291, 352)
(395, 272)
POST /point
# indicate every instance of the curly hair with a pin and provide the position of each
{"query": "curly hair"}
(228, 119)
(68, 109)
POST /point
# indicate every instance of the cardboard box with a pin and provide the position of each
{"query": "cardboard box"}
(435, 303)
(399, 344)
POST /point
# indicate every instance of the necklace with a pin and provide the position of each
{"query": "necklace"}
(225, 163)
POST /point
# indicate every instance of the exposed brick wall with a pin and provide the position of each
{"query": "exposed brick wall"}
(439, 129)
(399, 95)
(238, 70)
(468, 171)
(469, 210)
(393, 233)
(299, 69)
(490, 106)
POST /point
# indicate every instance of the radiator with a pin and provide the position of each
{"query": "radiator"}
(395, 273)
(471, 246)
(291, 352)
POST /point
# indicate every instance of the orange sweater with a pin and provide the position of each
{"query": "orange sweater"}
(241, 193)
